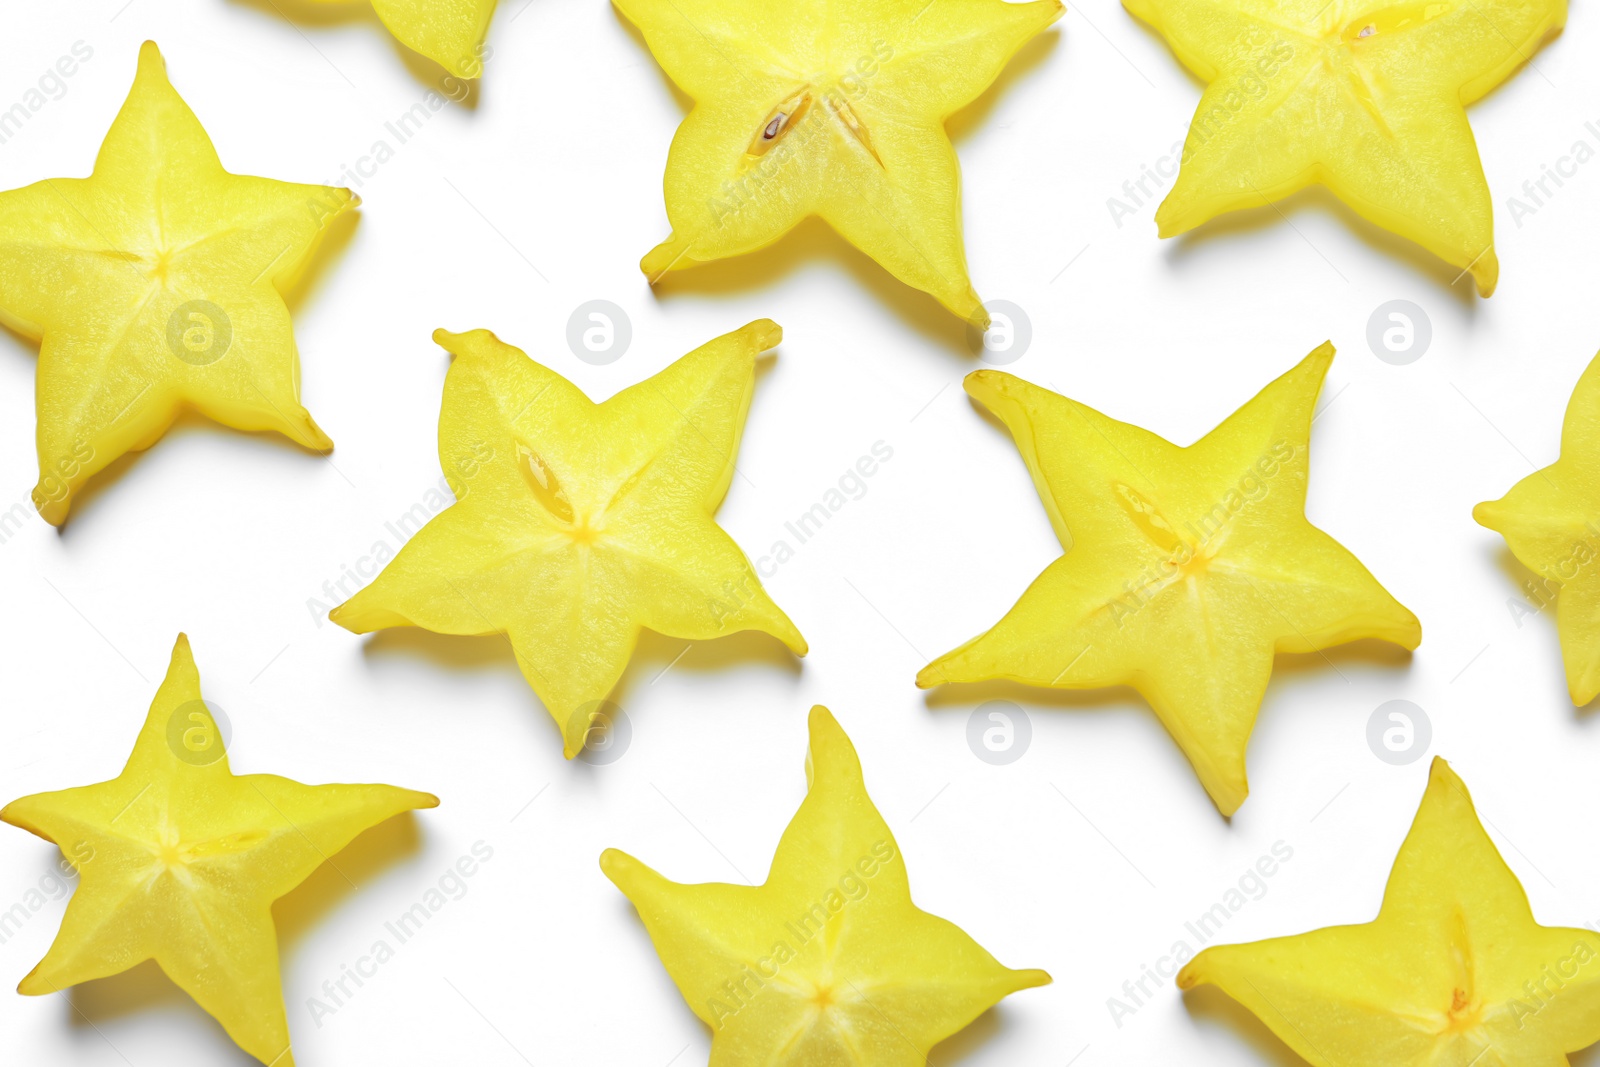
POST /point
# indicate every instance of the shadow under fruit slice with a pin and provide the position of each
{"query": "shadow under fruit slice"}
(578, 524)
(155, 285)
(1186, 569)
(804, 108)
(828, 962)
(1453, 973)
(179, 861)
(1366, 97)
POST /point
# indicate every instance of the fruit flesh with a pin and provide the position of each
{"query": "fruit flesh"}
(155, 286)
(449, 32)
(827, 963)
(1453, 973)
(1187, 570)
(1365, 98)
(578, 524)
(836, 111)
(180, 860)
(1549, 521)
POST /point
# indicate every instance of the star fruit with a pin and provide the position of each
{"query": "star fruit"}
(578, 524)
(1366, 97)
(449, 32)
(155, 285)
(828, 962)
(1186, 569)
(1453, 973)
(1548, 520)
(179, 861)
(813, 109)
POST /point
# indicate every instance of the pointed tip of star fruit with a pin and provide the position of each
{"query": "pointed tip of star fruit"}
(1446, 787)
(671, 254)
(1031, 978)
(1320, 357)
(1231, 799)
(151, 60)
(830, 754)
(358, 619)
(763, 333)
(1489, 513)
(306, 432)
(984, 384)
(972, 310)
(52, 504)
(466, 343)
(1170, 222)
(1485, 272)
(35, 984)
(626, 873)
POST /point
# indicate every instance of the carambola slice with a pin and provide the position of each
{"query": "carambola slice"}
(1187, 570)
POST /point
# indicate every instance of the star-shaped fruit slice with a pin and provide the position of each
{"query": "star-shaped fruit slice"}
(1453, 973)
(1187, 569)
(155, 285)
(829, 962)
(578, 524)
(179, 861)
(805, 109)
(1366, 97)
(1551, 522)
(449, 32)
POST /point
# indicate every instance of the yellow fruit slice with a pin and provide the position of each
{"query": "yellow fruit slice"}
(1549, 520)
(828, 962)
(1453, 973)
(449, 32)
(828, 110)
(1187, 569)
(179, 861)
(1365, 97)
(155, 285)
(577, 524)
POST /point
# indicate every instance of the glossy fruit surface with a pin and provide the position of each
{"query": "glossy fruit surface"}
(1187, 570)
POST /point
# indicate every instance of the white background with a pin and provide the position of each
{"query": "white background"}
(1088, 855)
